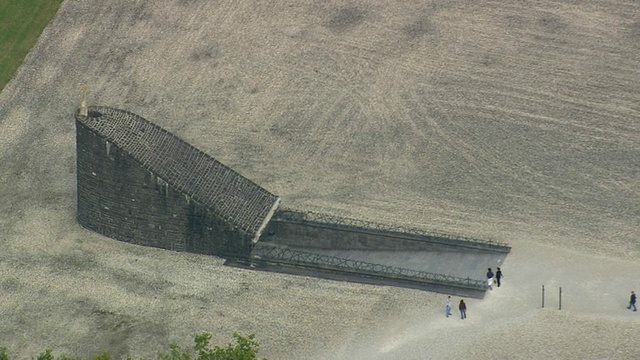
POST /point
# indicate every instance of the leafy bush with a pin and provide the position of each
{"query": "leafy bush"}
(244, 348)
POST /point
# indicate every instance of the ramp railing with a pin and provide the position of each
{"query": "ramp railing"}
(285, 255)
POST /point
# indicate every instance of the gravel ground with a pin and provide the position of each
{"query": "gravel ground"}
(505, 120)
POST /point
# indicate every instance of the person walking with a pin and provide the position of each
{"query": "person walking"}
(447, 308)
(463, 309)
(499, 276)
(490, 279)
(632, 301)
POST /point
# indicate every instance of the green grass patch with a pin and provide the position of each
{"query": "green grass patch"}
(21, 23)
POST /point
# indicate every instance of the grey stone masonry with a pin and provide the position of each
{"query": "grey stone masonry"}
(141, 184)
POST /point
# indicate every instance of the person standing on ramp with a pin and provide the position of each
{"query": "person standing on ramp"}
(499, 276)
(463, 309)
(490, 279)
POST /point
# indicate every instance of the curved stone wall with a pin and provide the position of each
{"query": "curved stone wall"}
(122, 197)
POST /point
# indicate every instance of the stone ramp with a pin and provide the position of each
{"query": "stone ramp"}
(458, 262)
(325, 246)
(454, 270)
(346, 276)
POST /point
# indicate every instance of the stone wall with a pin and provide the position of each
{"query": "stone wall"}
(329, 236)
(119, 198)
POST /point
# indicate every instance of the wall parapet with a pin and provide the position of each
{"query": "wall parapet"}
(314, 219)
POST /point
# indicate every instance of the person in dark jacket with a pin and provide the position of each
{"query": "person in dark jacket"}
(463, 309)
(490, 278)
(632, 301)
(499, 276)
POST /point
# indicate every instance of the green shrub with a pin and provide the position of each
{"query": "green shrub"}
(46, 355)
(244, 348)
(104, 356)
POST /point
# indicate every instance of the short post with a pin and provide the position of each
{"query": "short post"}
(83, 106)
(543, 296)
(560, 298)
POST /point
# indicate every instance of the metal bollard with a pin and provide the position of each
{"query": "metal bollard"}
(560, 298)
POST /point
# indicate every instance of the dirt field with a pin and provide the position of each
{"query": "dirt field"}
(509, 120)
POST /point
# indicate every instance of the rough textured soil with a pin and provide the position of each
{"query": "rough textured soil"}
(509, 120)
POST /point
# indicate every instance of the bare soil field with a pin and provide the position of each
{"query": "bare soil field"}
(507, 120)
